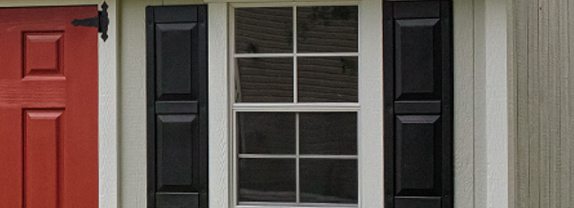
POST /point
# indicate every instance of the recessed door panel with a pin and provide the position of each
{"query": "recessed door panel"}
(42, 157)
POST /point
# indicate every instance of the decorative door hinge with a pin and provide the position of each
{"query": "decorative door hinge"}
(101, 21)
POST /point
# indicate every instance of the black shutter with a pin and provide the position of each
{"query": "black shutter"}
(177, 106)
(418, 96)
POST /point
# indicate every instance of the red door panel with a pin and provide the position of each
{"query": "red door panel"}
(48, 108)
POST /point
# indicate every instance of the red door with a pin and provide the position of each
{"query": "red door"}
(48, 108)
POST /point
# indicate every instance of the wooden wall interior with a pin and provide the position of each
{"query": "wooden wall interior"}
(543, 62)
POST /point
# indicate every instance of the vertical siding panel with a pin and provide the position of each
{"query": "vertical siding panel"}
(521, 67)
(553, 107)
(570, 98)
(533, 105)
(564, 106)
(543, 109)
(545, 103)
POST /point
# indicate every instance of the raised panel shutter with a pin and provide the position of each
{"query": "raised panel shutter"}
(418, 104)
(177, 106)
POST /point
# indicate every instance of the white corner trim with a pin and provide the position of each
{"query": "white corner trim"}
(107, 98)
(497, 143)
(494, 178)
(108, 112)
(218, 85)
(371, 187)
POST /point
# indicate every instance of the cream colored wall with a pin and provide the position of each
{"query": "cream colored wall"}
(543, 61)
(470, 150)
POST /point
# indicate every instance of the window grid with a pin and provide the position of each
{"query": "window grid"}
(293, 156)
(297, 157)
(297, 162)
(289, 55)
(295, 80)
(295, 107)
(294, 55)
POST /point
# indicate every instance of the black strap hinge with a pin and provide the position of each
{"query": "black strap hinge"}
(101, 21)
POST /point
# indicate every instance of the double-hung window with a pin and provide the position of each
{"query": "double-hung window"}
(295, 104)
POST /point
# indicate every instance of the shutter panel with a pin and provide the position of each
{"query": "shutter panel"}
(418, 104)
(177, 106)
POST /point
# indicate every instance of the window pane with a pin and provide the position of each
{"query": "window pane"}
(264, 80)
(328, 79)
(327, 29)
(264, 30)
(270, 180)
(329, 181)
(328, 133)
(266, 133)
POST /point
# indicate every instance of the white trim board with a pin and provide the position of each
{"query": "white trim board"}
(463, 34)
(107, 99)
(219, 107)
(496, 100)
(371, 162)
(492, 146)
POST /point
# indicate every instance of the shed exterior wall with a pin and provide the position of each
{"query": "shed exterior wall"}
(130, 93)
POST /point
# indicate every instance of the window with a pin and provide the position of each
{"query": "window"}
(295, 82)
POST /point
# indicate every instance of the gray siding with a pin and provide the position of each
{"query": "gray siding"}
(543, 63)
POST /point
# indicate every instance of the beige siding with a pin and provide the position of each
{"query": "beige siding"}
(543, 38)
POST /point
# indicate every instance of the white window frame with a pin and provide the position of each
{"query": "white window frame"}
(294, 107)
(369, 108)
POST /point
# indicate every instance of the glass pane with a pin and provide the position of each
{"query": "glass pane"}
(266, 133)
(327, 29)
(328, 133)
(264, 30)
(264, 80)
(328, 79)
(268, 180)
(329, 181)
